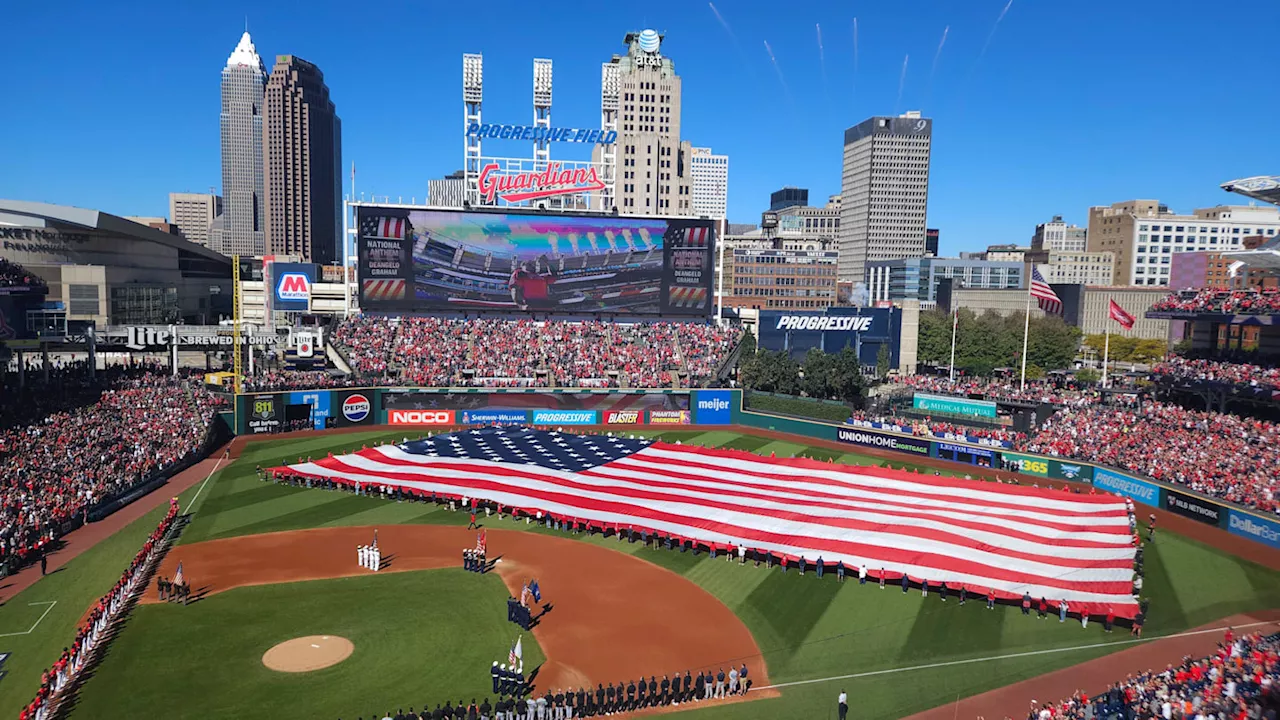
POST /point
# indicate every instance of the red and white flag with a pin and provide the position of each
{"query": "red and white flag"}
(1012, 539)
(1118, 314)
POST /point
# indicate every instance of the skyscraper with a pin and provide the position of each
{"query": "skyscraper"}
(640, 98)
(194, 214)
(710, 175)
(244, 78)
(302, 139)
(884, 191)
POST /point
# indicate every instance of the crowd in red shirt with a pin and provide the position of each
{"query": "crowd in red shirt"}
(1247, 301)
(1227, 456)
(1189, 369)
(94, 627)
(1238, 682)
(449, 352)
(1007, 389)
(54, 469)
(933, 428)
(297, 380)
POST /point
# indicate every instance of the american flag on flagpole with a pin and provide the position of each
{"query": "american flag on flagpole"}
(177, 576)
(516, 656)
(1044, 295)
(1011, 539)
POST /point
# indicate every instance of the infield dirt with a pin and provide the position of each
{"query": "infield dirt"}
(605, 615)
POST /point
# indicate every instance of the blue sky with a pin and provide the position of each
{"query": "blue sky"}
(1060, 106)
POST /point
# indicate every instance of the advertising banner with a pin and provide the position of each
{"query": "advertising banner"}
(319, 402)
(1194, 507)
(493, 417)
(265, 413)
(353, 407)
(600, 402)
(868, 438)
(420, 417)
(976, 452)
(1026, 464)
(535, 262)
(623, 417)
(1140, 490)
(669, 417)
(291, 286)
(1070, 471)
(953, 405)
(1253, 527)
(713, 407)
(564, 417)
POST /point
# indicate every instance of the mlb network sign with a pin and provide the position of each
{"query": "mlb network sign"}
(840, 323)
(713, 407)
(293, 286)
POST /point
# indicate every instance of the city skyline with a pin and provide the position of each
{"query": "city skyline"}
(1001, 163)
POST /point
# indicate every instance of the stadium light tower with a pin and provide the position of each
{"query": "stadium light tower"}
(472, 94)
(1261, 187)
(609, 84)
(541, 110)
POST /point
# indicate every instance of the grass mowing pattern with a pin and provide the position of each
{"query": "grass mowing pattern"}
(409, 631)
(806, 628)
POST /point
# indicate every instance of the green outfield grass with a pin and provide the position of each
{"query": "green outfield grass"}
(808, 629)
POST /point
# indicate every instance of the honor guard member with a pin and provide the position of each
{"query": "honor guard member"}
(160, 587)
(493, 673)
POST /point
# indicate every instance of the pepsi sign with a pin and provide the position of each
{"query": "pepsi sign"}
(353, 408)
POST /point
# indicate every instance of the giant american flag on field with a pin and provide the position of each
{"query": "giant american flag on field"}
(1014, 539)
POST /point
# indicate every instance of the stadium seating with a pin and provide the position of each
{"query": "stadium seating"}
(1251, 301)
(1238, 681)
(446, 352)
(56, 467)
(1004, 389)
(296, 380)
(1211, 371)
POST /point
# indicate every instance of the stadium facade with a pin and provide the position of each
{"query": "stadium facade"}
(103, 269)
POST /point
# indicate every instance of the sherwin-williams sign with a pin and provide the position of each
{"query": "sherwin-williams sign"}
(1143, 492)
(954, 405)
(1026, 464)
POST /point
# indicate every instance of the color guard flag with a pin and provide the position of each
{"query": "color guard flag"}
(482, 542)
(537, 591)
(516, 656)
(1118, 314)
(177, 577)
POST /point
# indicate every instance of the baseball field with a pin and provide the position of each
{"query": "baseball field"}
(270, 563)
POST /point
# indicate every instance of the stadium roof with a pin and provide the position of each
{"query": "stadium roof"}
(24, 213)
(1266, 257)
(1261, 187)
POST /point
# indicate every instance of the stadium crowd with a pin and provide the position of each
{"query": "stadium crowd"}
(1226, 456)
(14, 275)
(55, 468)
(1007, 389)
(935, 428)
(296, 380)
(93, 629)
(1250, 301)
(1238, 682)
(447, 352)
(1193, 370)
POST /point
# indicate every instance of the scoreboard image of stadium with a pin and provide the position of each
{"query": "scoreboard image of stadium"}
(533, 262)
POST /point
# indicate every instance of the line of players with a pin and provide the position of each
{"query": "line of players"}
(607, 700)
(369, 556)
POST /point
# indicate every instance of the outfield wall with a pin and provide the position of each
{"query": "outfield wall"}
(259, 413)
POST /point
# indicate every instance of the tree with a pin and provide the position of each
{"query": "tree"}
(1148, 350)
(988, 341)
(817, 369)
(934, 344)
(882, 360)
(1051, 343)
(748, 344)
(847, 383)
(771, 372)
(1088, 375)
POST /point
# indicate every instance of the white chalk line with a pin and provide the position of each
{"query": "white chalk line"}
(207, 478)
(1010, 656)
(32, 629)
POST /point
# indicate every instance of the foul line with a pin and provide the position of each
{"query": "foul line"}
(206, 482)
(32, 629)
(971, 661)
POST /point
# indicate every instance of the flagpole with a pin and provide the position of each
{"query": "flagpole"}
(955, 321)
(1026, 329)
(1106, 354)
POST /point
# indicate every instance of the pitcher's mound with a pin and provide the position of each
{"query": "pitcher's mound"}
(305, 654)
